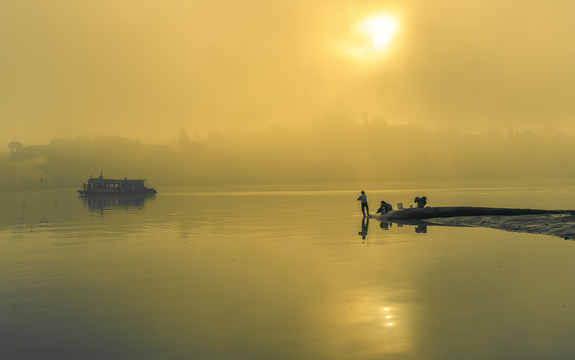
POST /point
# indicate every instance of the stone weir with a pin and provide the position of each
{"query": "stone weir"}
(453, 211)
(560, 223)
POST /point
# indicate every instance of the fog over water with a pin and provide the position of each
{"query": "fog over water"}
(335, 151)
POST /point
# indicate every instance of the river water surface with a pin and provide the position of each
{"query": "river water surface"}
(278, 275)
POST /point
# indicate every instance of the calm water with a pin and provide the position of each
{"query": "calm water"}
(278, 275)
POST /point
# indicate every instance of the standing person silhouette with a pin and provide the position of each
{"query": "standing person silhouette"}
(364, 207)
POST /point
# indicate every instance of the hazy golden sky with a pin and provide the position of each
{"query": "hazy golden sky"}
(146, 69)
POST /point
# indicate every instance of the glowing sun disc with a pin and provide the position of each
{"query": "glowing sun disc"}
(380, 29)
(372, 36)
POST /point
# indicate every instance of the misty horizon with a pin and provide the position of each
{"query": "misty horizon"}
(337, 150)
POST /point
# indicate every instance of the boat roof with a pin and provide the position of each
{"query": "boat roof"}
(113, 181)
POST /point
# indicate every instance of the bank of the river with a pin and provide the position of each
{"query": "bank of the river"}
(548, 224)
(559, 223)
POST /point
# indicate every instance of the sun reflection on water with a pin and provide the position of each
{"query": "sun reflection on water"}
(386, 316)
(374, 309)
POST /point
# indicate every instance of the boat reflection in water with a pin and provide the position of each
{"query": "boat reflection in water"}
(109, 202)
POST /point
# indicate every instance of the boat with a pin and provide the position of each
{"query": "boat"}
(101, 186)
(454, 211)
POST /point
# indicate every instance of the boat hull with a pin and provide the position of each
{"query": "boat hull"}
(148, 191)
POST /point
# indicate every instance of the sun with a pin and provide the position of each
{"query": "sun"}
(380, 29)
(373, 35)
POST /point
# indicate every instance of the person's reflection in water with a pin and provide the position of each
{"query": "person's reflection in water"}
(364, 225)
(421, 229)
(384, 225)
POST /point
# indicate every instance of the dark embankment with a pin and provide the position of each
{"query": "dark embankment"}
(453, 211)
(559, 223)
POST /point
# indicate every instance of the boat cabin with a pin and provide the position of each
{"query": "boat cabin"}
(100, 185)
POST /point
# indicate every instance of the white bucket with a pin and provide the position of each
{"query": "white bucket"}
(399, 206)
